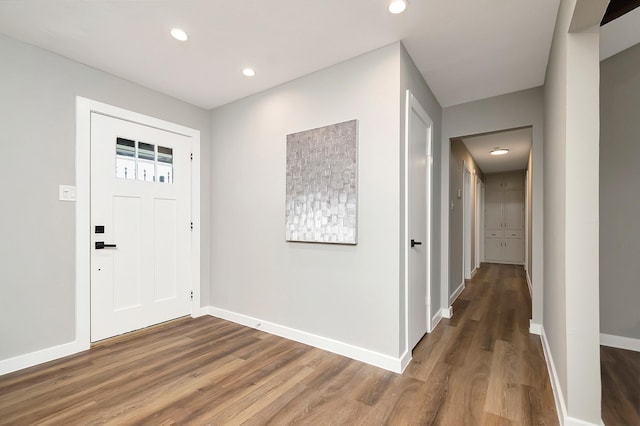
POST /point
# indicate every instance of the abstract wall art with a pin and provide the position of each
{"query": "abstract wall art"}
(322, 185)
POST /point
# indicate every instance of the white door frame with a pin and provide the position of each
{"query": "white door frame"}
(84, 108)
(480, 223)
(413, 104)
(466, 222)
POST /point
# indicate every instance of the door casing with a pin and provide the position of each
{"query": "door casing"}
(84, 108)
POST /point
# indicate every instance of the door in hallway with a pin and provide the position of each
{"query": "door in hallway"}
(419, 218)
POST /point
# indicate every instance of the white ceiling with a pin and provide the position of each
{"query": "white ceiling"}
(465, 49)
(518, 142)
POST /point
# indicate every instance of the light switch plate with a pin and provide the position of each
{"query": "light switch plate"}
(67, 193)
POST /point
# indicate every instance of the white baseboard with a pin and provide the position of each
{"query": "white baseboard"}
(526, 274)
(447, 312)
(620, 342)
(456, 293)
(435, 320)
(473, 273)
(39, 357)
(377, 359)
(553, 377)
(563, 417)
(404, 361)
(535, 328)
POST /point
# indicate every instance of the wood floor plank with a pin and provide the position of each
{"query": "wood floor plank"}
(620, 373)
(479, 367)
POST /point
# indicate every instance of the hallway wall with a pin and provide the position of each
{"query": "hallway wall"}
(620, 194)
(459, 155)
(571, 302)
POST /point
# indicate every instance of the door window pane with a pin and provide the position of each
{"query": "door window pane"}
(146, 162)
(125, 158)
(146, 151)
(165, 164)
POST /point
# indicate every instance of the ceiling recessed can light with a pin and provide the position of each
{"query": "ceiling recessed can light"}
(397, 6)
(499, 151)
(179, 34)
(248, 72)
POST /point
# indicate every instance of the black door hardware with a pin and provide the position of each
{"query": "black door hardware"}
(415, 243)
(101, 245)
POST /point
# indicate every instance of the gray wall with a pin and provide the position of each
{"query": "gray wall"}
(346, 293)
(518, 109)
(620, 194)
(37, 257)
(459, 155)
(411, 79)
(571, 323)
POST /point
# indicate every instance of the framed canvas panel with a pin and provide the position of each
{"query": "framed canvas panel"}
(322, 185)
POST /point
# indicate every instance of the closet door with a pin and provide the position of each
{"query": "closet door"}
(513, 209)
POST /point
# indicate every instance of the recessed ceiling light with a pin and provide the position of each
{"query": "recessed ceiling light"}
(178, 34)
(248, 72)
(499, 151)
(397, 6)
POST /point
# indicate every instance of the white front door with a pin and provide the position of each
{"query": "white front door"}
(140, 226)
(419, 166)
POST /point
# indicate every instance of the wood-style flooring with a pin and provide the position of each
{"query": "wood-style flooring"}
(481, 367)
(620, 373)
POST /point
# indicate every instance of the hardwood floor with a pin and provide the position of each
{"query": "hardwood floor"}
(620, 372)
(479, 368)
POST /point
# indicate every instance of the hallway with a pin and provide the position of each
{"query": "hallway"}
(490, 369)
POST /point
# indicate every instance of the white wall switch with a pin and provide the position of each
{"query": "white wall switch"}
(67, 193)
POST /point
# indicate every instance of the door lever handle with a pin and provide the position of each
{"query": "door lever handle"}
(101, 245)
(415, 243)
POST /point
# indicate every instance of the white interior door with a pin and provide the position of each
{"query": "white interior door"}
(140, 226)
(419, 218)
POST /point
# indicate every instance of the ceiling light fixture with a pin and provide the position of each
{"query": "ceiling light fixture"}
(248, 72)
(178, 34)
(397, 6)
(499, 151)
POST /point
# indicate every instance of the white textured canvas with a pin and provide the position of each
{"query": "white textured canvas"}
(322, 184)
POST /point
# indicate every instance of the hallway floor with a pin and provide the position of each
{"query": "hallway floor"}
(490, 369)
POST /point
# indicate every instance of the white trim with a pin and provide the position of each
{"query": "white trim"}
(84, 108)
(474, 272)
(405, 359)
(444, 227)
(447, 312)
(41, 356)
(621, 342)
(467, 183)
(377, 359)
(535, 328)
(561, 409)
(456, 293)
(481, 223)
(436, 320)
(526, 274)
(553, 377)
